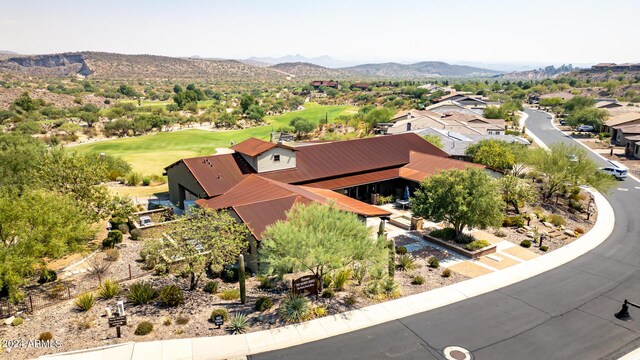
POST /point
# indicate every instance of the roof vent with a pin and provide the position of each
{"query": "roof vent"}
(219, 177)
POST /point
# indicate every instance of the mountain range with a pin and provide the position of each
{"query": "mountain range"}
(324, 61)
(120, 66)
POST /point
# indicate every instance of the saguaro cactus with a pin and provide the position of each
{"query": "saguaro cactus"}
(242, 278)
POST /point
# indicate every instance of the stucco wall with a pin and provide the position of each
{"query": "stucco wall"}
(266, 160)
(179, 175)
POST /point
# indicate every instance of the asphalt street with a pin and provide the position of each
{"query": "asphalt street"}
(565, 313)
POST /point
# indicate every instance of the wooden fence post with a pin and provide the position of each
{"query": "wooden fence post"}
(31, 303)
(129, 271)
(68, 293)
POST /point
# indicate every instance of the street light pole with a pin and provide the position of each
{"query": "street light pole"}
(623, 314)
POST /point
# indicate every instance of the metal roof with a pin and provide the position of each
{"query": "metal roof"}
(253, 146)
(218, 173)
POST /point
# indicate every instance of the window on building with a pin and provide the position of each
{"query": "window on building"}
(276, 158)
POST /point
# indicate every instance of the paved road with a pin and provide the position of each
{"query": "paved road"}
(565, 313)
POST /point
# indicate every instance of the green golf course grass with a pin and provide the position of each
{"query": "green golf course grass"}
(150, 154)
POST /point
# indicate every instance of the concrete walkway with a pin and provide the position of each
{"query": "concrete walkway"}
(238, 346)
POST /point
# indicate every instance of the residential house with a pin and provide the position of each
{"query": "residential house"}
(261, 180)
(449, 106)
(626, 135)
(629, 118)
(360, 85)
(607, 104)
(463, 123)
(456, 144)
(318, 83)
(463, 100)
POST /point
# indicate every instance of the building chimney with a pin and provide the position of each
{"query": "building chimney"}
(409, 115)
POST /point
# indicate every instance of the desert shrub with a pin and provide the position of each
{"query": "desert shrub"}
(417, 280)
(580, 230)
(229, 275)
(513, 221)
(135, 234)
(144, 328)
(340, 279)
(85, 322)
(171, 295)
(434, 263)
(45, 336)
(476, 245)
(160, 269)
(401, 250)
(544, 248)
(113, 237)
(211, 287)
(167, 321)
(464, 238)
(47, 276)
(265, 283)
(230, 294)
(109, 289)
(327, 280)
(358, 273)
(538, 212)
(320, 311)
(328, 293)
(391, 288)
(219, 312)
(124, 228)
(17, 321)
(295, 308)
(263, 303)
(444, 234)
(500, 233)
(350, 300)
(182, 319)
(556, 220)
(405, 263)
(238, 324)
(111, 254)
(85, 302)
(446, 273)
(576, 205)
(133, 178)
(525, 243)
(142, 293)
(146, 181)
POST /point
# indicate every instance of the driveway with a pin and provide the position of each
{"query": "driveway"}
(565, 313)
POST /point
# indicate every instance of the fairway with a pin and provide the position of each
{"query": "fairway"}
(149, 154)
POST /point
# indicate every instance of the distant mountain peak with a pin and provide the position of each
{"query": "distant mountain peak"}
(324, 60)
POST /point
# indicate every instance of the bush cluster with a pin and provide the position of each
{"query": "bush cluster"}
(444, 234)
(85, 302)
(45, 336)
(464, 238)
(142, 293)
(219, 312)
(171, 295)
(417, 280)
(556, 219)
(295, 308)
(144, 328)
(263, 303)
(135, 234)
(477, 245)
(113, 237)
(544, 248)
(401, 250)
(434, 263)
(230, 294)
(513, 221)
(446, 273)
(211, 287)
(47, 275)
(525, 243)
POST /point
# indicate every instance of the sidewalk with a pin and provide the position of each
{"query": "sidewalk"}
(234, 346)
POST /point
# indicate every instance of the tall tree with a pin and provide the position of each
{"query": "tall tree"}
(205, 239)
(463, 198)
(516, 191)
(496, 154)
(320, 239)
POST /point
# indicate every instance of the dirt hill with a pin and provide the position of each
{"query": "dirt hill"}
(422, 69)
(307, 70)
(119, 66)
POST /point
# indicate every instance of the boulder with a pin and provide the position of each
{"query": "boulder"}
(9, 320)
(530, 234)
(527, 227)
(570, 232)
(548, 224)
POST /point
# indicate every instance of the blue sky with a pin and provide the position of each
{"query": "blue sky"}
(542, 31)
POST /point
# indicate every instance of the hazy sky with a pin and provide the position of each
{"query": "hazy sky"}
(547, 31)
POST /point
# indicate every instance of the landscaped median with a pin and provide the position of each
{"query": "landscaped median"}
(229, 346)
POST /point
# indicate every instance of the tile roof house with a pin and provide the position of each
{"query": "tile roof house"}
(628, 118)
(467, 122)
(260, 181)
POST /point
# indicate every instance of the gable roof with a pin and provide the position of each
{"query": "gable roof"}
(622, 119)
(217, 173)
(260, 202)
(629, 129)
(253, 146)
(325, 160)
(425, 165)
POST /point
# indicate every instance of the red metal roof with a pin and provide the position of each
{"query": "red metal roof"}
(325, 160)
(359, 179)
(425, 165)
(218, 173)
(259, 202)
(253, 146)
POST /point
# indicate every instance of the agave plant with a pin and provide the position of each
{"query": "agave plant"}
(238, 324)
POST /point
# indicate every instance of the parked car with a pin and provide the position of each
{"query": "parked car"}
(563, 122)
(587, 128)
(615, 169)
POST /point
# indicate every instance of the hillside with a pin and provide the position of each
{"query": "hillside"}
(119, 66)
(325, 61)
(420, 69)
(307, 70)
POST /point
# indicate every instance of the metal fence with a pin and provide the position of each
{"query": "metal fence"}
(38, 298)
